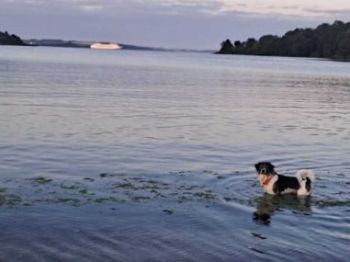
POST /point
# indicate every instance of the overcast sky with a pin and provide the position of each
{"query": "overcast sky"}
(200, 24)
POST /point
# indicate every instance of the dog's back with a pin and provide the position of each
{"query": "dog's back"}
(286, 184)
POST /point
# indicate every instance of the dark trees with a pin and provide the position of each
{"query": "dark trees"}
(326, 41)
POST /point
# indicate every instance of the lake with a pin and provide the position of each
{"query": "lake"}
(149, 156)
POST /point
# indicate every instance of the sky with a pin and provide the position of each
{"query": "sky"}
(191, 24)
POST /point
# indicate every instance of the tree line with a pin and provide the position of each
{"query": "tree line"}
(7, 39)
(325, 41)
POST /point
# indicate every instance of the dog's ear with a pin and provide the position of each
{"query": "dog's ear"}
(271, 166)
(257, 165)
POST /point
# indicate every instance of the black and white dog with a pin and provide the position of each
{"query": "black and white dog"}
(276, 184)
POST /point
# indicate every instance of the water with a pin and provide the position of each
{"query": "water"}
(135, 156)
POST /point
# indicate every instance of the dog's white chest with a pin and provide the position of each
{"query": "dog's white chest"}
(269, 187)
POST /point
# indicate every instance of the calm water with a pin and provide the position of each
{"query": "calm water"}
(135, 156)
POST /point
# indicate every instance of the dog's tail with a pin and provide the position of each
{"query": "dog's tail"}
(304, 173)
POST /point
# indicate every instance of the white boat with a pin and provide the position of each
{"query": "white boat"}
(106, 46)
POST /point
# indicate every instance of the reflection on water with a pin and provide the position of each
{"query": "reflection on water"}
(268, 205)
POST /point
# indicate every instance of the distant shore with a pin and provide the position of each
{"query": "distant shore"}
(79, 44)
(10, 39)
(14, 40)
(330, 41)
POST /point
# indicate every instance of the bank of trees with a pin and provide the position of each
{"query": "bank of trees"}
(325, 41)
(7, 39)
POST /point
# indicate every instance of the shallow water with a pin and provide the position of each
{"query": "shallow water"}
(134, 156)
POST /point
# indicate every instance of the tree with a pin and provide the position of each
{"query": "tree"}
(326, 40)
(226, 47)
(7, 39)
(237, 44)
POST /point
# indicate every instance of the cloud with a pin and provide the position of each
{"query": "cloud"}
(167, 23)
(58, 5)
(287, 8)
(206, 7)
(329, 12)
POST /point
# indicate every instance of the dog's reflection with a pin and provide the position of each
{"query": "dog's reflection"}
(267, 205)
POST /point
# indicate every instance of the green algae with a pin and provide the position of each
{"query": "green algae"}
(83, 191)
(69, 187)
(40, 180)
(100, 200)
(168, 211)
(333, 203)
(89, 179)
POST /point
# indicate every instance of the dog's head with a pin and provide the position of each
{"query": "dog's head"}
(265, 171)
(265, 168)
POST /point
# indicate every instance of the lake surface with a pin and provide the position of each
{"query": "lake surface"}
(139, 156)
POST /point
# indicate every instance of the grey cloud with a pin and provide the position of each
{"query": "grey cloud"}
(285, 7)
(183, 24)
(213, 7)
(330, 12)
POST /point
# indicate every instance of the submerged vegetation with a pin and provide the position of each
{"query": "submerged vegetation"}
(174, 187)
(7, 39)
(105, 188)
(326, 41)
(40, 180)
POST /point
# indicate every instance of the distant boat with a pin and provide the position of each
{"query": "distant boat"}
(106, 46)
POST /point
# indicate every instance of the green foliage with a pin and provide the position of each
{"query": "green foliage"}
(7, 39)
(325, 41)
(226, 47)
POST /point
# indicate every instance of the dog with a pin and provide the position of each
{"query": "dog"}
(276, 184)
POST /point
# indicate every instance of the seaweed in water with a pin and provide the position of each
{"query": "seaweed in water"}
(168, 211)
(40, 180)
